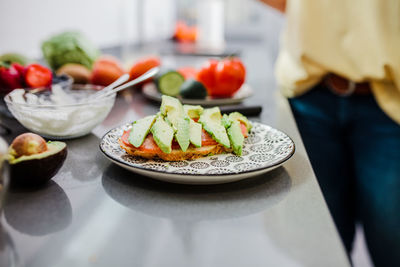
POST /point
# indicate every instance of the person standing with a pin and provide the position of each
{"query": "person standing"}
(339, 66)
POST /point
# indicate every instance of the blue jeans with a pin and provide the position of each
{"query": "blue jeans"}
(354, 149)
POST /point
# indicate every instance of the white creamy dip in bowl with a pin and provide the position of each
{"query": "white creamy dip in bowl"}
(60, 113)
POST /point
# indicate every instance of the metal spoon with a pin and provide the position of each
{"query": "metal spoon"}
(111, 86)
(139, 79)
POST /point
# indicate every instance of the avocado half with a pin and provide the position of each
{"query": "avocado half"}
(38, 168)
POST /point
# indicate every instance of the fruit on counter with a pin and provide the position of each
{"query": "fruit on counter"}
(192, 89)
(206, 75)
(11, 77)
(167, 135)
(78, 72)
(142, 66)
(38, 76)
(14, 58)
(222, 78)
(33, 161)
(106, 70)
(69, 47)
(169, 82)
(188, 72)
(184, 33)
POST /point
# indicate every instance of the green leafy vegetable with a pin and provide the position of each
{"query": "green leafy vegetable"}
(69, 47)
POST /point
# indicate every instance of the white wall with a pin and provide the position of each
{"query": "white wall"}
(24, 24)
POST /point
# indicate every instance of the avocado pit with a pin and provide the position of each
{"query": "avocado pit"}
(27, 144)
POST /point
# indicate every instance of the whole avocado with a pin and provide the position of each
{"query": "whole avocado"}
(15, 57)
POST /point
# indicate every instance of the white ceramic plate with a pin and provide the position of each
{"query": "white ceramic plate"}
(265, 149)
(150, 91)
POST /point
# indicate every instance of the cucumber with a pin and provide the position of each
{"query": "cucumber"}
(169, 82)
(193, 89)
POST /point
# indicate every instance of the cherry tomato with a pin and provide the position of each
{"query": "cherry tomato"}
(144, 65)
(188, 72)
(223, 78)
(38, 76)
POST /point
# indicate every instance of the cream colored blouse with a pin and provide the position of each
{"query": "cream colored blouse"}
(357, 39)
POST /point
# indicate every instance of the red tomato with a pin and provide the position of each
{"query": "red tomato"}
(144, 65)
(229, 77)
(149, 145)
(106, 70)
(38, 76)
(223, 78)
(124, 138)
(188, 72)
(206, 139)
(206, 75)
(243, 128)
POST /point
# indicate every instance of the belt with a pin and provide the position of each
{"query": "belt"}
(344, 87)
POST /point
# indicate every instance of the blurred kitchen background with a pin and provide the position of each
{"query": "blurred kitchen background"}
(127, 24)
(26, 23)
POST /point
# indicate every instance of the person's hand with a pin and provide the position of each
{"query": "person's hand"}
(277, 4)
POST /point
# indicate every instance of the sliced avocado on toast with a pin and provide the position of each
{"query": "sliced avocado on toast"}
(232, 125)
(226, 121)
(140, 129)
(195, 133)
(239, 117)
(182, 134)
(211, 121)
(162, 134)
(173, 110)
(236, 137)
(193, 112)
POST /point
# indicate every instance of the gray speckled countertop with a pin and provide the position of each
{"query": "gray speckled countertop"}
(94, 213)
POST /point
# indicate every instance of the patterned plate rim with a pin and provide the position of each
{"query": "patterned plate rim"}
(281, 161)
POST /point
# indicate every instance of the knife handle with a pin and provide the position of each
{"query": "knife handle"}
(245, 110)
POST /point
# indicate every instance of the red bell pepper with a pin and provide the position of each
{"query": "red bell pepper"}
(11, 77)
(222, 78)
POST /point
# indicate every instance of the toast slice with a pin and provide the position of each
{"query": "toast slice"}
(176, 154)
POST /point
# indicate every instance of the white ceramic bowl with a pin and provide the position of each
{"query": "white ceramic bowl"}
(62, 121)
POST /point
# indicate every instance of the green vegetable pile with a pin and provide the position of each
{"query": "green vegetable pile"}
(69, 47)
